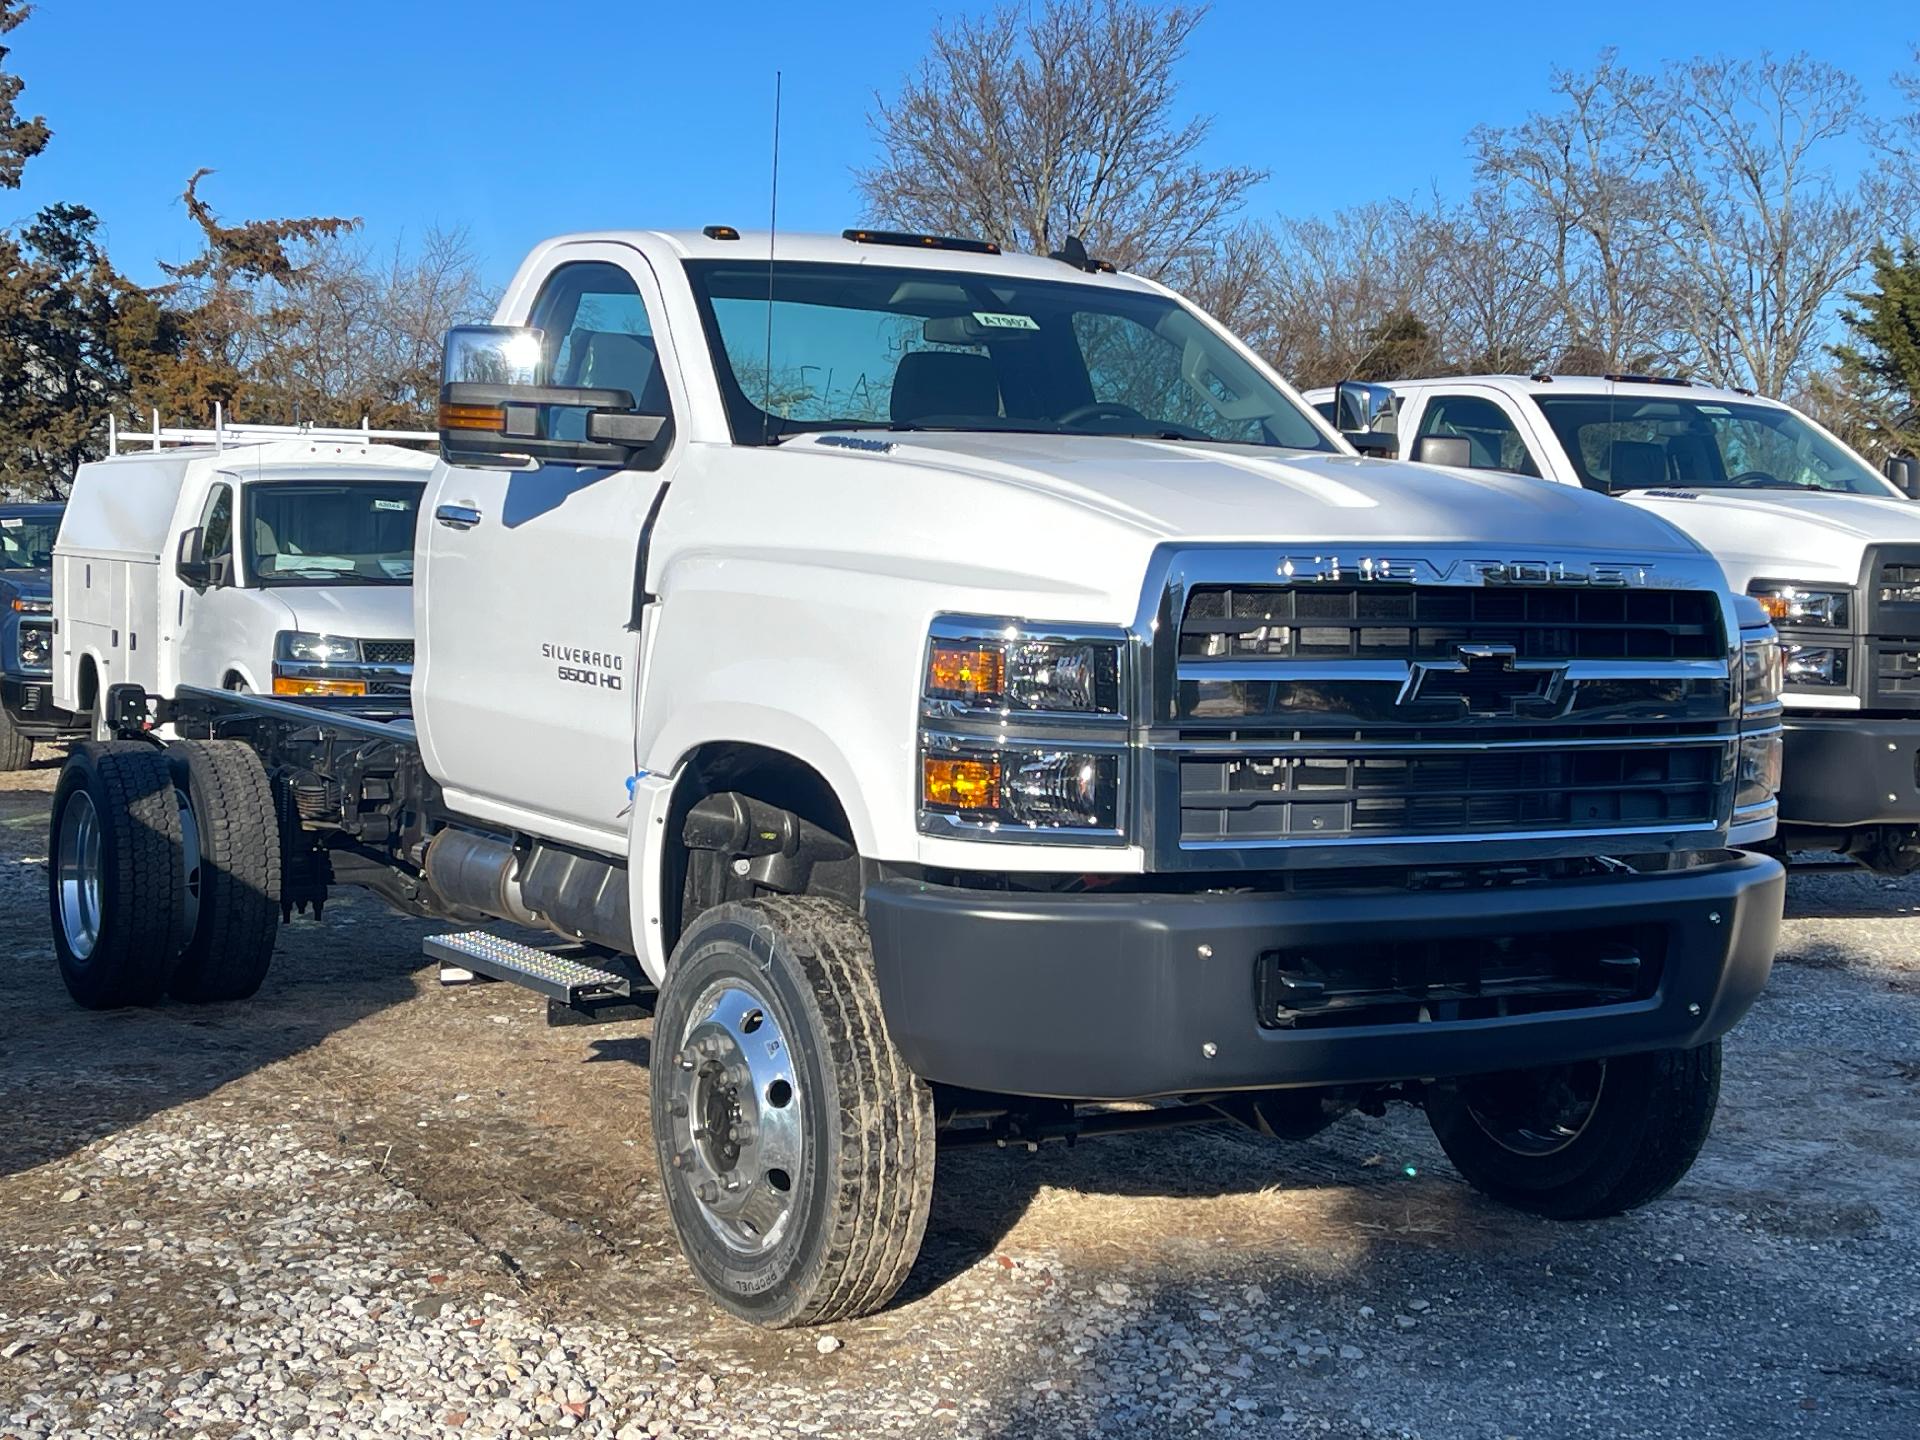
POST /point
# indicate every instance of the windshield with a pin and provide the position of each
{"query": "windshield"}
(26, 541)
(868, 347)
(1631, 443)
(312, 533)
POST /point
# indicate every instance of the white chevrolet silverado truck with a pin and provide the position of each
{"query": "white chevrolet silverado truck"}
(1796, 519)
(966, 698)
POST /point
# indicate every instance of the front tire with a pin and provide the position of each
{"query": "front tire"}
(1577, 1142)
(16, 750)
(117, 888)
(796, 1148)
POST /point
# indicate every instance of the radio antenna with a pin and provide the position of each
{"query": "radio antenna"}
(773, 226)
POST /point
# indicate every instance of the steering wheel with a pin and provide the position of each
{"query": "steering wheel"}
(1099, 410)
(1753, 480)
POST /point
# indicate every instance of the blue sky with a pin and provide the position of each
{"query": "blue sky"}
(520, 121)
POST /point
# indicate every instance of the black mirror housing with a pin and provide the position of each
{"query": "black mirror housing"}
(190, 559)
(1904, 472)
(1450, 450)
(1376, 443)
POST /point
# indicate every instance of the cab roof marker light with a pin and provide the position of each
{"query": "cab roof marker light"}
(720, 232)
(922, 242)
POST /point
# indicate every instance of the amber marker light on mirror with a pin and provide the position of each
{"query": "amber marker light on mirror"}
(960, 784)
(472, 417)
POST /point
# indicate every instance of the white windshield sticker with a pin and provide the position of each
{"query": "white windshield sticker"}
(390, 505)
(995, 321)
(12, 522)
(1713, 409)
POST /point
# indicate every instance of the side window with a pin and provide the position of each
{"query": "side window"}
(599, 334)
(216, 525)
(1488, 430)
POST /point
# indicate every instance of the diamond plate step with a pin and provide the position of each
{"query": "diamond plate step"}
(557, 977)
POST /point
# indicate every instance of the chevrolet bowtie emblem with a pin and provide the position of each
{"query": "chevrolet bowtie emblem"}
(1487, 681)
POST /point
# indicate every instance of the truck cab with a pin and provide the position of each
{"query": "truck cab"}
(245, 559)
(948, 692)
(1797, 520)
(27, 533)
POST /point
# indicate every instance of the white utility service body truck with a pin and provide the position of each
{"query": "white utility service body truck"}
(256, 558)
(1797, 520)
(944, 689)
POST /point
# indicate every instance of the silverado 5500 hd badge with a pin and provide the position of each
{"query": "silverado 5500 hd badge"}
(580, 666)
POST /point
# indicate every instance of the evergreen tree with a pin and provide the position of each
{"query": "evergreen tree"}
(1880, 366)
(20, 139)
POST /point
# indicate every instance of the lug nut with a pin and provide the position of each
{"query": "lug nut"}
(707, 1191)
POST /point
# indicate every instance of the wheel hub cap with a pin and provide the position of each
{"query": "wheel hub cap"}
(1538, 1112)
(733, 1102)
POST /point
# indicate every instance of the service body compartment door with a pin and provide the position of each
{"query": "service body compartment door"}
(527, 675)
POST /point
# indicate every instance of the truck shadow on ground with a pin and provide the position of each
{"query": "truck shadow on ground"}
(70, 1076)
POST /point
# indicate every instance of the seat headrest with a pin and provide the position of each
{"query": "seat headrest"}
(1636, 464)
(943, 382)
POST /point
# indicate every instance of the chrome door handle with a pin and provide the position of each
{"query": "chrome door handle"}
(458, 517)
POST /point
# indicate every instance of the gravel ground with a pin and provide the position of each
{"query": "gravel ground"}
(363, 1205)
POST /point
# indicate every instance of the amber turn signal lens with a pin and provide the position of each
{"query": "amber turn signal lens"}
(1777, 606)
(472, 417)
(296, 685)
(966, 672)
(960, 784)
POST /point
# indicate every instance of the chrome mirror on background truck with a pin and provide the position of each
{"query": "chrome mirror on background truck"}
(1364, 414)
(496, 408)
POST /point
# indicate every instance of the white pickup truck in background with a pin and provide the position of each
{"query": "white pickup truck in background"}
(944, 689)
(263, 558)
(1796, 519)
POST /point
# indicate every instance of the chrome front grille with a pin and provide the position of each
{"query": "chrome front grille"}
(1357, 721)
(1425, 622)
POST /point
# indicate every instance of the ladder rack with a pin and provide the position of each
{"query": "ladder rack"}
(222, 434)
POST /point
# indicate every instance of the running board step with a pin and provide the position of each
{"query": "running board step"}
(558, 977)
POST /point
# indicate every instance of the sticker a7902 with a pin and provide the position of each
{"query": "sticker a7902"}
(997, 320)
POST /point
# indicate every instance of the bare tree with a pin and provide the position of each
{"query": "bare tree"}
(1337, 290)
(1478, 285)
(1589, 214)
(1023, 128)
(1764, 236)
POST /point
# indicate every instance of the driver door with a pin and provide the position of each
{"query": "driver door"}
(528, 674)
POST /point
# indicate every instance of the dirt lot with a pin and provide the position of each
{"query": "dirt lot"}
(363, 1205)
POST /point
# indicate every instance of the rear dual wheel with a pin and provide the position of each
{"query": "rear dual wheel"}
(796, 1148)
(1580, 1141)
(164, 872)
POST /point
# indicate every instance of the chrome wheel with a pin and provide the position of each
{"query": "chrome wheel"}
(1537, 1112)
(737, 1141)
(77, 874)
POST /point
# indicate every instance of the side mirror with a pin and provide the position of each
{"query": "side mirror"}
(190, 559)
(496, 408)
(1904, 472)
(1374, 442)
(1443, 450)
(1359, 407)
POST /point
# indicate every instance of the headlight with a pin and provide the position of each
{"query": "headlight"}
(1793, 607)
(1021, 788)
(1761, 672)
(1815, 665)
(317, 649)
(1009, 671)
(1759, 769)
(23, 606)
(36, 648)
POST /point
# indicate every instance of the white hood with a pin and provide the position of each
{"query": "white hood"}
(1786, 535)
(362, 612)
(1178, 491)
